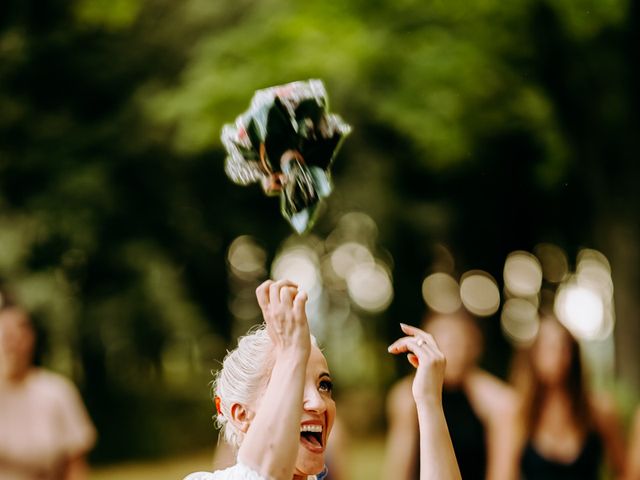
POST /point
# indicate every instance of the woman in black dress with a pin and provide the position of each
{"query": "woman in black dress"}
(479, 408)
(566, 432)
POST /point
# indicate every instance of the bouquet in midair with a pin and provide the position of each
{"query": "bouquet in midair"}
(287, 142)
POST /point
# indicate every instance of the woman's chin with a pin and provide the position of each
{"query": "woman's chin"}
(309, 463)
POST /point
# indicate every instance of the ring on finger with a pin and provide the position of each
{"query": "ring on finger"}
(421, 342)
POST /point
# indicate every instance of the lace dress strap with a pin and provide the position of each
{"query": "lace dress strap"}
(237, 472)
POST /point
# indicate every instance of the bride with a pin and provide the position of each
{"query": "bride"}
(273, 397)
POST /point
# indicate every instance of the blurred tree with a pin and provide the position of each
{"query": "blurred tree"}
(485, 125)
(488, 126)
(115, 241)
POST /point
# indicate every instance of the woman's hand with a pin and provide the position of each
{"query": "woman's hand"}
(423, 353)
(437, 458)
(283, 309)
(271, 443)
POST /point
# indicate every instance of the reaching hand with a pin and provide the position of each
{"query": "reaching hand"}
(424, 354)
(272, 439)
(283, 309)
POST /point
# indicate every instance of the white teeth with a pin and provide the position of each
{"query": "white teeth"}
(311, 428)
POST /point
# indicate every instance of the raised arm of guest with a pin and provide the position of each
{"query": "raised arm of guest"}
(437, 458)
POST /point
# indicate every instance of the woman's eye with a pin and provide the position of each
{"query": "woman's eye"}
(326, 386)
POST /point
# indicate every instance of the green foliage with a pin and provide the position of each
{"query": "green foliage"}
(112, 14)
(480, 123)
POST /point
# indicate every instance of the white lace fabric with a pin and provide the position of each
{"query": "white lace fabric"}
(237, 472)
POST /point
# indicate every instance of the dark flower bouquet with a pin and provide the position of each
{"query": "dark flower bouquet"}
(287, 141)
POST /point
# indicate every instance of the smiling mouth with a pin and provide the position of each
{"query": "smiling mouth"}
(311, 438)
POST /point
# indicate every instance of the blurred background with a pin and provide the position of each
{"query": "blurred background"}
(493, 163)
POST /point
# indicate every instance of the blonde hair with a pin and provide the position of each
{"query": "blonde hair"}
(244, 375)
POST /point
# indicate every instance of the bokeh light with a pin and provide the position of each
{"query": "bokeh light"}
(584, 303)
(246, 258)
(353, 226)
(581, 310)
(348, 256)
(593, 271)
(441, 293)
(370, 287)
(589, 255)
(443, 260)
(519, 321)
(522, 274)
(300, 265)
(350, 264)
(608, 324)
(479, 293)
(555, 266)
(243, 306)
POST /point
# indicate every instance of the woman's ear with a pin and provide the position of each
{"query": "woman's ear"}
(241, 416)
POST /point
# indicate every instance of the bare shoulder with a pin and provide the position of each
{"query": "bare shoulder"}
(604, 408)
(636, 421)
(634, 435)
(492, 397)
(400, 398)
(51, 385)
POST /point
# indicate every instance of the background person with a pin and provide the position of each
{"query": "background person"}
(479, 408)
(45, 431)
(633, 454)
(567, 433)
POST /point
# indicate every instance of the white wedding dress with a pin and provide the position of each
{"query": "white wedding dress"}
(237, 472)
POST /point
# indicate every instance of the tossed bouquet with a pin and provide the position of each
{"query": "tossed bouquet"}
(287, 141)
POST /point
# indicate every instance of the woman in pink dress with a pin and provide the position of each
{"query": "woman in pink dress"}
(45, 431)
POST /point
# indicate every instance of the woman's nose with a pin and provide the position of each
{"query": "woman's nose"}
(313, 401)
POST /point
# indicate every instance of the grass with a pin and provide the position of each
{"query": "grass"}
(167, 469)
(364, 462)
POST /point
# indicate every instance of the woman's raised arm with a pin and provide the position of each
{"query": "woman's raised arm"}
(270, 446)
(437, 458)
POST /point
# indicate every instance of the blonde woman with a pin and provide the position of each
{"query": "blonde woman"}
(273, 396)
